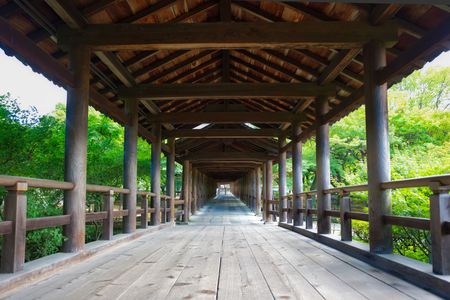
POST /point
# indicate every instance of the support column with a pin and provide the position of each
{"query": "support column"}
(269, 193)
(156, 173)
(378, 160)
(297, 177)
(186, 190)
(170, 177)
(282, 180)
(264, 190)
(322, 167)
(130, 164)
(194, 190)
(258, 191)
(76, 148)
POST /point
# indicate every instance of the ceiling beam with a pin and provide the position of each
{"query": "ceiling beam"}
(333, 34)
(224, 156)
(224, 133)
(226, 91)
(226, 117)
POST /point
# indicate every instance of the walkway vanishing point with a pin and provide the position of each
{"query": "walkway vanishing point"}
(224, 253)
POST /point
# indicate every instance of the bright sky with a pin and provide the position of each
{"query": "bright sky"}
(33, 89)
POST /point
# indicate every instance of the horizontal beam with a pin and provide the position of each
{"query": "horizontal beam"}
(224, 156)
(226, 91)
(228, 35)
(223, 133)
(227, 117)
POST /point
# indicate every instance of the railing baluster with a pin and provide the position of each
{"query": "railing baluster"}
(144, 214)
(13, 247)
(108, 223)
(308, 215)
(346, 222)
(440, 240)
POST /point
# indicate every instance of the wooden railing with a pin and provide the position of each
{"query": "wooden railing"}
(14, 227)
(438, 223)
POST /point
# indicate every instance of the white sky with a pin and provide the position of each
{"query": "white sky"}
(33, 89)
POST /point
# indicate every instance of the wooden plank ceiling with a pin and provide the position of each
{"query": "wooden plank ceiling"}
(29, 31)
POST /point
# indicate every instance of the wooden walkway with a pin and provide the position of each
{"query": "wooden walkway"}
(236, 258)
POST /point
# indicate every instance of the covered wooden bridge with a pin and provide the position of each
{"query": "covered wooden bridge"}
(227, 89)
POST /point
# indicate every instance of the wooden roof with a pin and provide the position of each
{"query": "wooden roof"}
(29, 31)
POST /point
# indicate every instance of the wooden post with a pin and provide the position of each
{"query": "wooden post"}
(258, 191)
(194, 190)
(440, 240)
(309, 217)
(130, 164)
(323, 168)
(346, 223)
(186, 190)
(264, 190)
(269, 192)
(297, 177)
(76, 148)
(13, 245)
(144, 215)
(378, 161)
(170, 179)
(282, 180)
(156, 174)
(108, 223)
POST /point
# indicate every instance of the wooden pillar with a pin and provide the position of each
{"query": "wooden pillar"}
(13, 245)
(76, 148)
(269, 194)
(186, 190)
(156, 173)
(130, 164)
(170, 177)
(108, 223)
(258, 191)
(378, 161)
(282, 180)
(322, 167)
(264, 190)
(194, 190)
(297, 177)
(440, 239)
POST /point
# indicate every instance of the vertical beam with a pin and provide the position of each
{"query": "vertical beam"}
(269, 193)
(282, 180)
(76, 148)
(13, 245)
(440, 240)
(309, 216)
(258, 191)
(323, 168)
(378, 161)
(156, 173)
(130, 163)
(170, 176)
(297, 177)
(194, 190)
(108, 223)
(186, 190)
(264, 192)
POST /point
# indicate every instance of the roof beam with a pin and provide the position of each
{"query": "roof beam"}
(226, 91)
(224, 133)
(224, 156)
(334, 34)
(227, 117)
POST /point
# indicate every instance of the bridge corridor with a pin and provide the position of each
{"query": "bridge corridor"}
(225, 252)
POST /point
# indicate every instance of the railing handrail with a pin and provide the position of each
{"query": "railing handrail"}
(6, 181)
(94, 188)
(443, 179)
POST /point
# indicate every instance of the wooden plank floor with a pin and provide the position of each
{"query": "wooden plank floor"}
(225, 253)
